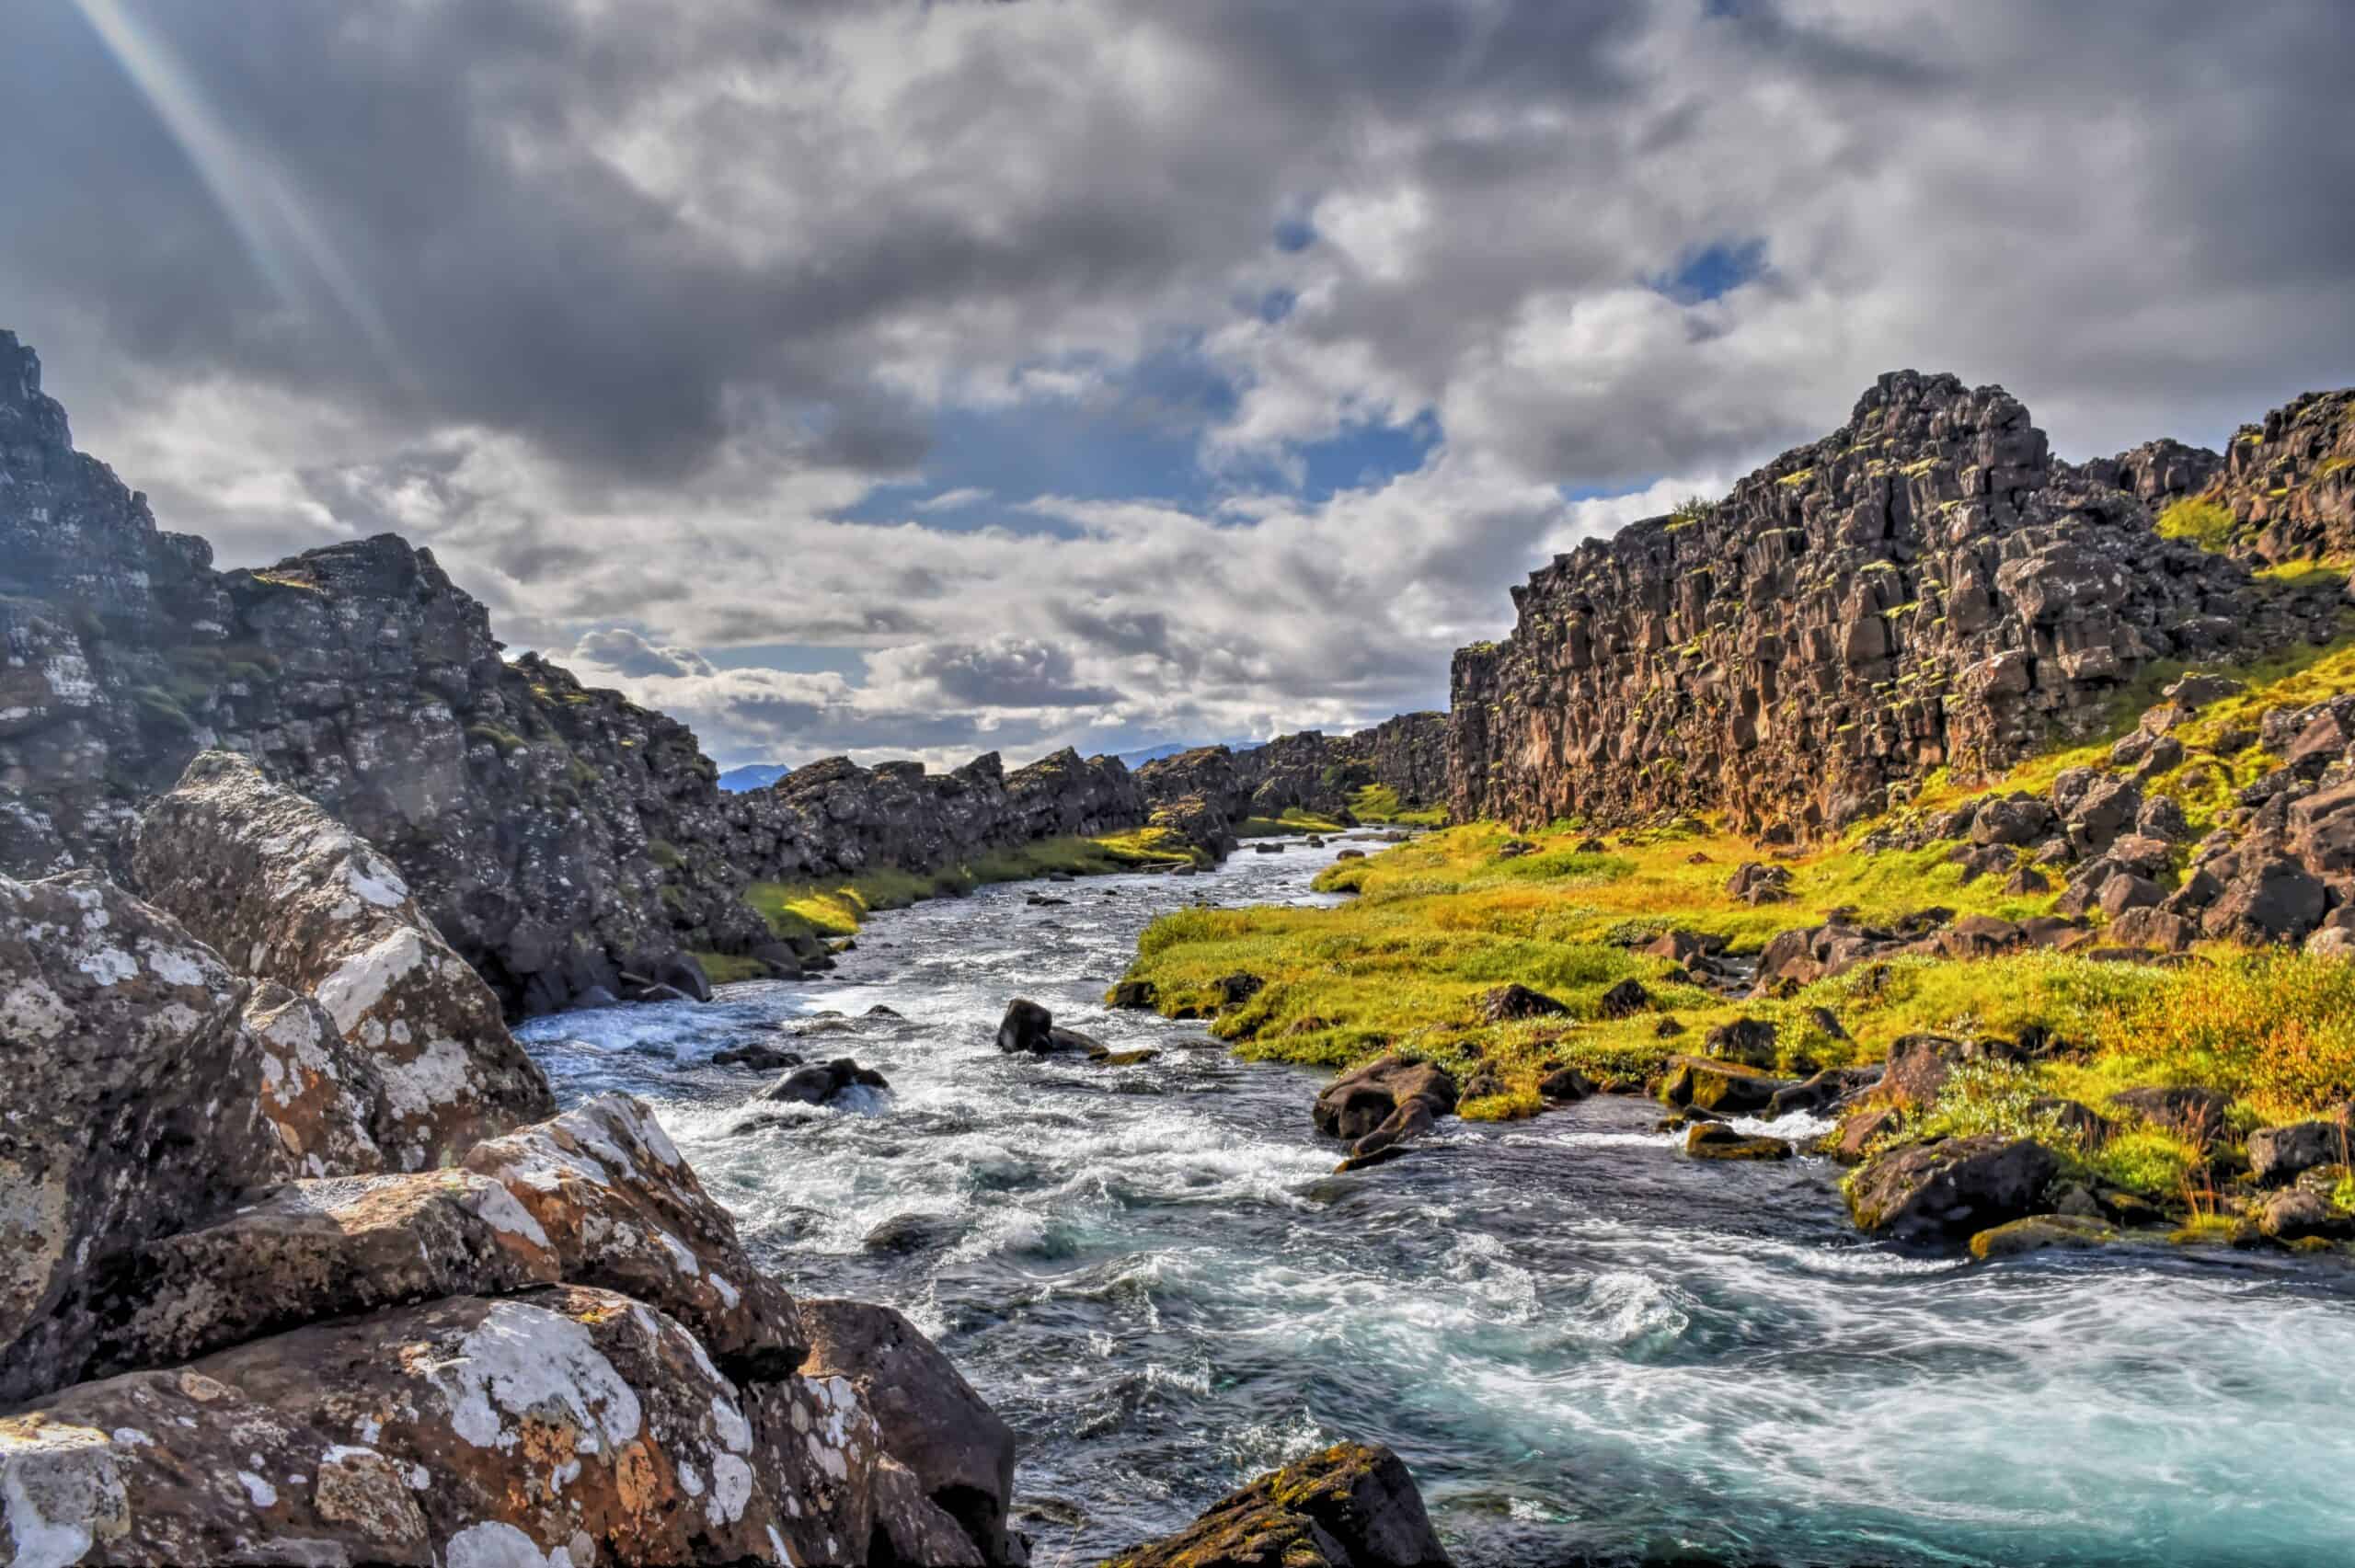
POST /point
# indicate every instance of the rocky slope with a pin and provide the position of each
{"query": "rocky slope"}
(561, 838)
(300, 1267)
(2290, 482)
(1320, 774)
(1927, 587)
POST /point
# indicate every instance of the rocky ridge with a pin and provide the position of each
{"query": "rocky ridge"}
(1927, 587)
(280, 1292)
(561, 839)
(1321, 774)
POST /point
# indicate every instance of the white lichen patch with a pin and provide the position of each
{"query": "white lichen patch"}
(359, 982)
(441, 1075)
(496, 1544)
(176, 965)
(60, 1492)
(33, 1013)
(498, 1209)
(525, 1360)
(732, 1489)
(108, 966)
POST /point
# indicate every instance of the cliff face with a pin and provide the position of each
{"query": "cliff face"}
(2290, 482)
(1926, 587)
(1319, 773)
(559, 837)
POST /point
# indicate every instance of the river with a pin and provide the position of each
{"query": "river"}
(1587, 1346)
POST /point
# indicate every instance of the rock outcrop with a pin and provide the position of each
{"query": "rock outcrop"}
(1353, 1506)
(1926, 587)
(1322, 774)
(256, 870)
(233, 1330)
(566, 843)
(1199, 793)
(2290, 482)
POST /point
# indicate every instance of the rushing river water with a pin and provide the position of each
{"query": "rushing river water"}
(1587, 1346)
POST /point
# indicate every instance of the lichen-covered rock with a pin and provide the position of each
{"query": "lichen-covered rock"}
(137, 1097)
(293, 895)
(621, 1209)
(1354, 1505)
(1924, 588)
(928, 1417)
(466, 1431)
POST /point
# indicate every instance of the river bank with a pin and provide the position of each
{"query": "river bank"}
(1582, 1342)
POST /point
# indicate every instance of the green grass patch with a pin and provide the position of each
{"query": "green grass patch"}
(1380, 803)
(2209, 524)
(1294, 822)
(728, 968)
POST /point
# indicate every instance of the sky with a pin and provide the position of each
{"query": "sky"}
(844, 376)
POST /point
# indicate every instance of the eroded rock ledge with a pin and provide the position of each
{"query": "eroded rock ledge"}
(298, 1264)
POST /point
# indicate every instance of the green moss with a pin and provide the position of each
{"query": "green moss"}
(728, 968)
(664, 854)
(2197, 521)
(506, 742)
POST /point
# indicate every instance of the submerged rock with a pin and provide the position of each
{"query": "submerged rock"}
(1715, 1140)
(1354, 1505)
(2041, 1233)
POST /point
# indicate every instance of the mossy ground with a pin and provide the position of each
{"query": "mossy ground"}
(1293, 822)
(1439, 923)
(1379, 803)
(833, 907)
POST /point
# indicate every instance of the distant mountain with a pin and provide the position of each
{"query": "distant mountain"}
(753, 775)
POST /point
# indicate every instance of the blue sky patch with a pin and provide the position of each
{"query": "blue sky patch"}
(1712, 271)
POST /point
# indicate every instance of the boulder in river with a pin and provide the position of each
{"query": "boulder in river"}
(1721, 1085)
(1028, 1027)
(1354, 1505)
(821, 1083)
(1957, 1186)
(1715, 1140)
(2041, 1233)
(1384, 1103)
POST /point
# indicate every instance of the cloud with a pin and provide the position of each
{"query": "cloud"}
(641, 317)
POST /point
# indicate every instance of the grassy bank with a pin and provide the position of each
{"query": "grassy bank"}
(1379, 803)
(833, 907)
(1294, 822)
(1439, 922)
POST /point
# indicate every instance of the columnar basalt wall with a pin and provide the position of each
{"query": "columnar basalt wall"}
(1924, 588)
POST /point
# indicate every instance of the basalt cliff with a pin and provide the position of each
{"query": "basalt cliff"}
(1925, 587)
(567, 842)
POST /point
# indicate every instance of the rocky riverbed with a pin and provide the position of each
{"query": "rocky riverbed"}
(1587, 1345)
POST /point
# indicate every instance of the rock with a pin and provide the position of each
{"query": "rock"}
(2301, 1214)
(1750, 1041)
(2155, 928)
(2026, 880)
(928, 1417)
(2126, 891)
(2038, 1233)
(1957, 1186)
(1719, 1085)
(2197, 1113)
(1830, 1087)
(2018, 820)
(1026, 1027)
(144, 1085)
(1563, 1086)
(1715, 1140)
(1382, 1103)
(2269, 898)
(1684, 946)
(823, 1084)
(757, 1055)
(1354, 1505)
(1349, 855)
(255, 870)
(1626, 1000)
(1918, 1066)
(905, 1233)
(1756, 884)
(1235, 990)
(1132, 995)
(1856, 1135)
(501, 1431)
(1508, 1005)
(2278, 1154)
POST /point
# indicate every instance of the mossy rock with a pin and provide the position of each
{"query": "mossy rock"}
(2039, 1232)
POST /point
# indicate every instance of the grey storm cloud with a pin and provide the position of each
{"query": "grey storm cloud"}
(625, 309)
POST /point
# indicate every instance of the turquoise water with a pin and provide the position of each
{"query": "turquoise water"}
(1588, 1347)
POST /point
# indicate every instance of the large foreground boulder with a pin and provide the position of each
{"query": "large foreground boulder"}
(928, 1417)
(563, 1424)
(1354, 1505)
(137, 1098)
(289, 894)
